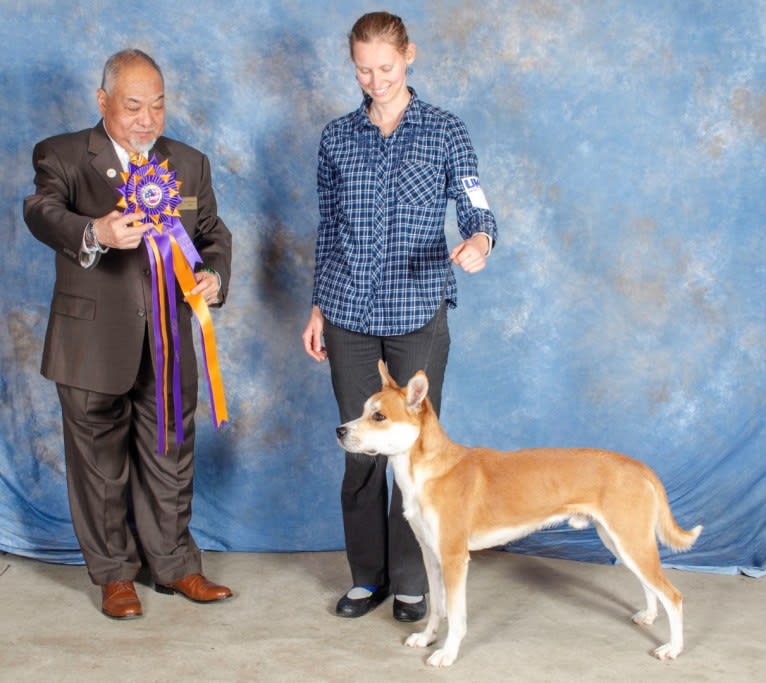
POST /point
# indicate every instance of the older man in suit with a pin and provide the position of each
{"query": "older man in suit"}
(99, 347)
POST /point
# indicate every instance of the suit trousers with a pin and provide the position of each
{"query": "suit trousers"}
(112, 465)
(380, 545)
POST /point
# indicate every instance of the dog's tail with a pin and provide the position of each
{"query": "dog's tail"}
(668, 531)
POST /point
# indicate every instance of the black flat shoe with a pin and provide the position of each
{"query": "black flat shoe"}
(406, 611)
(352, 608)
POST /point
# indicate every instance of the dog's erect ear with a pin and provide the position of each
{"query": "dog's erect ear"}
(417, 389)
(386, 379)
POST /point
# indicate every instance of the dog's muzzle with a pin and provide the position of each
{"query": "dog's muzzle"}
(347, 442)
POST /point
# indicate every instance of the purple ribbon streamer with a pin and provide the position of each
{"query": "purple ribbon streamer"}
(176, 229)
(159, 357)
(166, 253)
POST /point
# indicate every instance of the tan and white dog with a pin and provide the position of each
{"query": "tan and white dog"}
(459, 499)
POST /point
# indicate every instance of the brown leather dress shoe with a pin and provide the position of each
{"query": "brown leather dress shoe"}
(119, 600)
(197, 588)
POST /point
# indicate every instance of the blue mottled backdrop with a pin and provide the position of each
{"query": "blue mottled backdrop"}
(622, 146)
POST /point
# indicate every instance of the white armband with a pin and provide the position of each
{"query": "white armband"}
(474, 192)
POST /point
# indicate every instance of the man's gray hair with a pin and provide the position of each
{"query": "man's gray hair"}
(120, 59)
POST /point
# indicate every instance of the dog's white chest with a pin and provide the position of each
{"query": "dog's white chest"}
(401, 467)
(424, 525)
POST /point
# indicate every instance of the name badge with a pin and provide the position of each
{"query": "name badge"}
(474, 192)
(188, 204)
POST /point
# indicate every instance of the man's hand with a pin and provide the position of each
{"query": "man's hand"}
(115, 230)
(208, 286)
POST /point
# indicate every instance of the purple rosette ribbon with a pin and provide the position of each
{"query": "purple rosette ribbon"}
(152, 189)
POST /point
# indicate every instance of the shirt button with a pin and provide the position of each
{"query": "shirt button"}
(141, 312)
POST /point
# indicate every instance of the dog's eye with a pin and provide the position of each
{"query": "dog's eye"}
(378, 417)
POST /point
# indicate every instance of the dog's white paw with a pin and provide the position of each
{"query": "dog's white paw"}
(667, 651)
(644, 617)
(419, 640)
(442, 658)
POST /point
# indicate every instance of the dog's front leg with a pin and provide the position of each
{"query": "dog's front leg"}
(455, 572)
(435, 600)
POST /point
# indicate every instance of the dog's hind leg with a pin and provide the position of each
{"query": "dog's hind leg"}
(656, 586)
(645, 616)
(435, 600)
(455, 572)
(637, 550)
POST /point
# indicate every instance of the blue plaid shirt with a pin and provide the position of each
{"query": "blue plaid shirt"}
(381, 253)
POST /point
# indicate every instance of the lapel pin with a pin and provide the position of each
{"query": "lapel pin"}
(111, 173)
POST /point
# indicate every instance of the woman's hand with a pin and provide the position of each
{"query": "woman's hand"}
(312, 335)
(471, 254)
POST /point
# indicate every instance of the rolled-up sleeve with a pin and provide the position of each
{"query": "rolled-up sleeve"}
(462, 168)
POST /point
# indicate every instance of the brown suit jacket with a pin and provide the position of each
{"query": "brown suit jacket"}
(98, 317)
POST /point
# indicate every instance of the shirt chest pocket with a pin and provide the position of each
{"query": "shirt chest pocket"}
(418, 184)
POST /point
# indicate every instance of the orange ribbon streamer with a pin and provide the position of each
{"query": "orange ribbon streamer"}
(185, 276)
